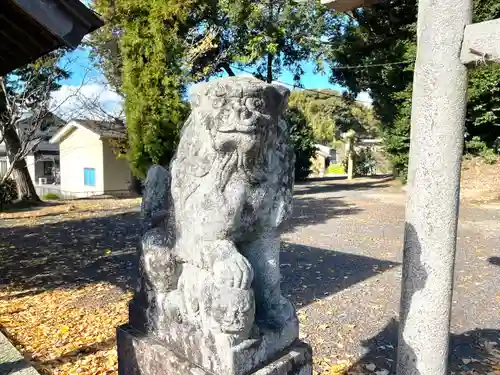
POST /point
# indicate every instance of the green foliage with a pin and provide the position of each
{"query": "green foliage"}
(272, 35)
(146, 66)
(476, 146)
(8, 191)
(483, 107)
(364, 163)
(330, 114)
(383, 34)
(336, 169)
(303, 142)
(397, 137)
(51, 197)
(483, 110)
(151, 50)
(377, 35)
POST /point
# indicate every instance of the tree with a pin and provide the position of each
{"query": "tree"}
(302, 140)
(483, 107)
(150, 51)
(270, 36)
(330, 114)
(25, 115)
(381, 40)
(148, 69)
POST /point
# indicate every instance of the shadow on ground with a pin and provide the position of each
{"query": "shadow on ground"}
(311, 273)
(24, 206)
(476, 351)
(310, 211)
(103, 249)
(70, 253)
(327, 184)
(494, 260)
(13, 367)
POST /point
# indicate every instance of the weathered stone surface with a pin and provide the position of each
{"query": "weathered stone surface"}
(140, 354)
(232, 180)
(11, 361)
(209, 277)
(158, 267)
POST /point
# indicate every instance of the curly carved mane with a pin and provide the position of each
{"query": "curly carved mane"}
(197, 156)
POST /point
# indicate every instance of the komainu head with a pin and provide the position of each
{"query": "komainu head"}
(241, 113)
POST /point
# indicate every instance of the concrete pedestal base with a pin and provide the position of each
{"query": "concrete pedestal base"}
(139, 354)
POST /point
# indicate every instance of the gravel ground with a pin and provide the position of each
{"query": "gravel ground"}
(341, 265)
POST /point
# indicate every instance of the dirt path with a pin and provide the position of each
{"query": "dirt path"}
(341, 265)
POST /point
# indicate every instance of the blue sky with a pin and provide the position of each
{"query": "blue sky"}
(84, 73)
(82, 66)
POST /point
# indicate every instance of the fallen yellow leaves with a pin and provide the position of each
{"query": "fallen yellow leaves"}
(326, 366)
(70, 209)
(340, 368)
(62, 331)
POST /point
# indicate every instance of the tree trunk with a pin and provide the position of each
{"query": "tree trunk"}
(25, 188)
(270, 57)
(269, 68)
(228, 69)
(135, 186)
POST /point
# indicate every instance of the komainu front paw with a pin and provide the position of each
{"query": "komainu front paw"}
(234, 272)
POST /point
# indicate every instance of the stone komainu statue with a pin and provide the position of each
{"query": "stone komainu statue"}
(210, 248)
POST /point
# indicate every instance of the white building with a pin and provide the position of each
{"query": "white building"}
(87, 162)
(43, 160)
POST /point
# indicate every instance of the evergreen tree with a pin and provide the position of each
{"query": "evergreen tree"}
(382, 38)
(144, 60)
(382, 41)
(151, 50)
(483, 107)
(302, 138)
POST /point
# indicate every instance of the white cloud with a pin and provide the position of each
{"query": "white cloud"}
(91, 101)
(365, 98)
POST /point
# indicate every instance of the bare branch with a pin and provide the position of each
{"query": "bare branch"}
(7, 173)
(5, 92)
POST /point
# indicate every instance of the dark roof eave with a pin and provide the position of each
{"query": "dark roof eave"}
(30, 29)
(112, 138)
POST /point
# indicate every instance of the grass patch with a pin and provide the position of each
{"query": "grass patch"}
(335, 169)
(51, 197)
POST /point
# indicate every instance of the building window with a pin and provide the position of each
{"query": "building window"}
(89, 176)
(47, 168)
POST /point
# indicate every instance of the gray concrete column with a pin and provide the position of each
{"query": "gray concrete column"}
(438, 116)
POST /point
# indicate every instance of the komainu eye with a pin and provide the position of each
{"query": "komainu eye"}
(218, 102)
(255, 104)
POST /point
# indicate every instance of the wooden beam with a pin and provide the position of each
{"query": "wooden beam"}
(347, 5)
(481, 42)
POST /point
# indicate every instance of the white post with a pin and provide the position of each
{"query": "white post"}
(349, 148)
(437, 129)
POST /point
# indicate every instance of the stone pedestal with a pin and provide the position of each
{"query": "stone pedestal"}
(140, 354)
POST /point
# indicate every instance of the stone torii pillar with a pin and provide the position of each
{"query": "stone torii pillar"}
(447, 42)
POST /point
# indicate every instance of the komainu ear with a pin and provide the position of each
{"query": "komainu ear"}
(277, 95)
